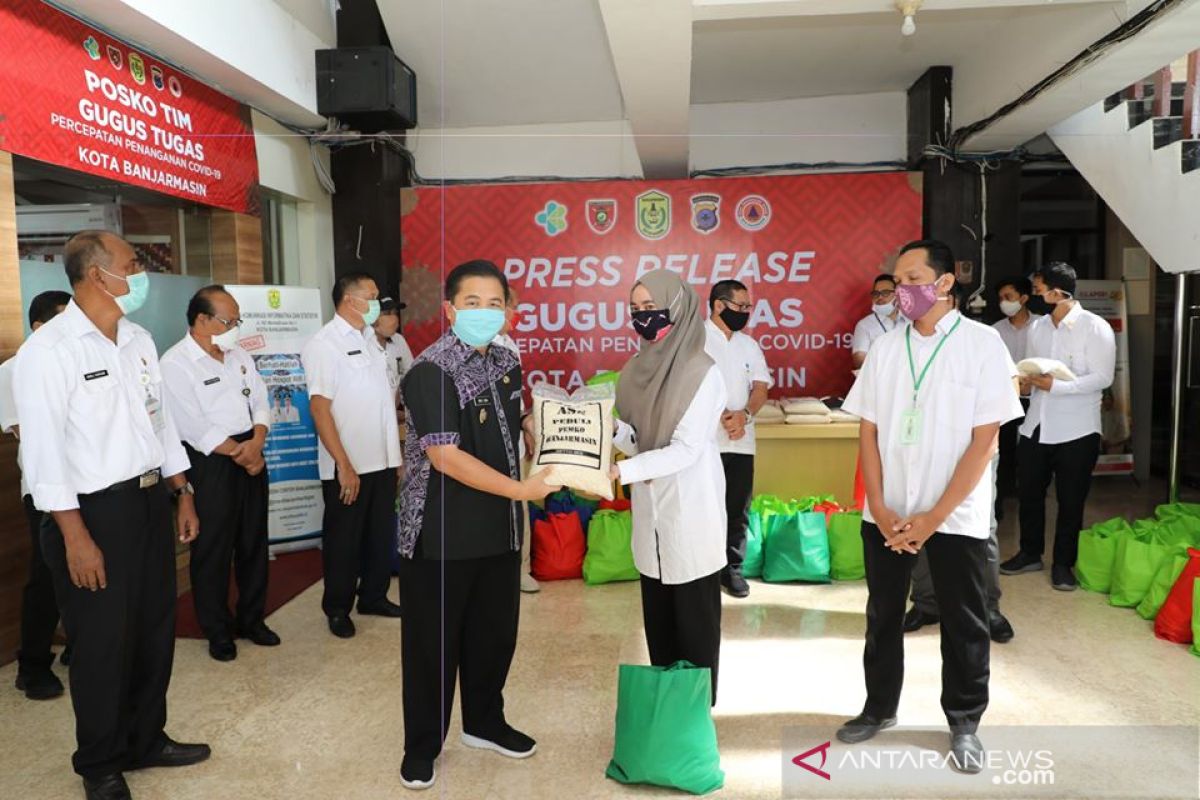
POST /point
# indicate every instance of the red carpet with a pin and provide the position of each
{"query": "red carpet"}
(289, 574)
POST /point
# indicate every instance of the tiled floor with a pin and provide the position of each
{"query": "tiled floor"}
(320, 718)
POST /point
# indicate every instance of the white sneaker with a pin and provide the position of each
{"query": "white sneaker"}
(529, 584)
(512, 744)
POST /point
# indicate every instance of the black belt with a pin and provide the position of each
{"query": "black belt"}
(144, 481)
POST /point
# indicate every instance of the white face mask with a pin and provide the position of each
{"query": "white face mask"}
(885, 310)
(1010, 308)
(227, 340)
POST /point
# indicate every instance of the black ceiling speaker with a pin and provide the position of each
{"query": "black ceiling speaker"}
(368, 88)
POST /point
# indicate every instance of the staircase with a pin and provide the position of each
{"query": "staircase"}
(1140, 151)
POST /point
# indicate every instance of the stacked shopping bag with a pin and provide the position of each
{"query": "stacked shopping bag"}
(1151, 566)
(813, 540)
(575, 536)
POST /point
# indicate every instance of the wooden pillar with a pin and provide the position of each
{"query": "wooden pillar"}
(237, 254)
(14, 533)
(1191, 98)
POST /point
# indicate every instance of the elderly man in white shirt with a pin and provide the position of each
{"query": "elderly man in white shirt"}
(220, 402)
(747, 380)
(932, 398)
(354, 411)
(884, 317)
(1060, 438)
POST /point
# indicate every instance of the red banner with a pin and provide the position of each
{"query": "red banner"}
(807, 246)
(73, 96)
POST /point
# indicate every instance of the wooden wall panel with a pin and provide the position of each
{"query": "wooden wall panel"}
(14, 535)
(236, 248)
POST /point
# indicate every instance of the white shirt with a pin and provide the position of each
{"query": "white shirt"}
(92, 413)
(348, 367)
(678, 493)
(213, 400)
(870, 328)
(8, 409)
(1016, 339)
(399, 361)
(969, 384)
(1071, 409)
(741, 362)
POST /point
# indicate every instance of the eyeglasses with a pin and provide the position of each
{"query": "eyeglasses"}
(229, 323)
(883, 294)
(738, 306)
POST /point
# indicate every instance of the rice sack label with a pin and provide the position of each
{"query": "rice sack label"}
(573, 435)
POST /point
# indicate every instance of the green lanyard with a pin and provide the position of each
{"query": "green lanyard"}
(919, 380)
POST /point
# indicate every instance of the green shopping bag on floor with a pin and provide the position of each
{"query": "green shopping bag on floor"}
(1170, 511)
(763, 509)
(846, 546)
(665, 733)
(1164, 579)
(1195, 649)
(1181, 530)
(609, 548)
(797, 548)
(1097, 552)
(1139, 556)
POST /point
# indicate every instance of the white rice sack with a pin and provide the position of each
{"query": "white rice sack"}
(837, 415)
(769, 414)
(1033, 367)
(573, 435)
(805, 405)
(808, 419)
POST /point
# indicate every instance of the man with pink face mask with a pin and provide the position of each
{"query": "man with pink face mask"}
(932, 397)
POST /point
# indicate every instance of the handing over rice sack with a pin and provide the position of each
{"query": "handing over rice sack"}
(573, 434)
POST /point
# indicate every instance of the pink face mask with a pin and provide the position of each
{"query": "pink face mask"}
(915, 301)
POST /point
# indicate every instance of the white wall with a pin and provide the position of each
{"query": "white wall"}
(285, 166)
(851, 129)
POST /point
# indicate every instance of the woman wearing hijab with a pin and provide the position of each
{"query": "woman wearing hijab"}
(670, 397)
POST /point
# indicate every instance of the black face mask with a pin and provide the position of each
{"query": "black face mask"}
(649, 324)
(734, 320)
(1037, 305)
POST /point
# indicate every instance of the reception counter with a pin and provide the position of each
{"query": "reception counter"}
(803, 460)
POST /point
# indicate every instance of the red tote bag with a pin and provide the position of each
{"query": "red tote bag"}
(1174, 620)
(558, 548)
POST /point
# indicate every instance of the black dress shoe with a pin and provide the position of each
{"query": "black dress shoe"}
(916, 619)
(260, 634)
(1000, 628)
(39, 685)
(1063, 578)
(174, 754)
(863, 727)
(341, 626)
(222, 649)
(384, 608)
(966, 753)
(110, 787)
(735, 584)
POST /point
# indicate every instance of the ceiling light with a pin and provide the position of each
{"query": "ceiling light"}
(909, 9)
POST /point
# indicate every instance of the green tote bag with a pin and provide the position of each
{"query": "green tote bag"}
(1097, 552)
(1160, 586)
(846, 546)
(665, 733)
(797, 549)
(609, 548)
(1139, 556)
(763, 509)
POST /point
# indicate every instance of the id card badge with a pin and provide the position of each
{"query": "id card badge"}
(910, 427)
(155, 410)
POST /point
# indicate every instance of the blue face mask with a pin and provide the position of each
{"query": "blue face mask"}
(372, 312)
(477, 326)
(135, 298)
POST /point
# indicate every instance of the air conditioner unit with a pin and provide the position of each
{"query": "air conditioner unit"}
(62, 221)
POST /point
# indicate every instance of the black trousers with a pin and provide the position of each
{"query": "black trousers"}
(683, 622)
(39, 608)
(232, 506)
(357, 542)
(460, 622)
(122, 638)
(958, 566)
(739, 485)
(1006, 477)
(1070, 466)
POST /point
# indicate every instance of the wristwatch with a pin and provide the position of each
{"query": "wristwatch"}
(182, 490)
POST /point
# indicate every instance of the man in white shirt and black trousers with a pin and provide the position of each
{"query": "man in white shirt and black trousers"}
(932, 398)
(354, 410)
(1060, 438)
(747, 379)
(103, 458)
(220, 405)
(39, 609)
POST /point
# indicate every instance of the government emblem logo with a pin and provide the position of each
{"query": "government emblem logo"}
(115, 58)
(753, 212)
(92, 48)
(706, 212)
(653, 214)
(553, 218)
(601, 215)
(137, 68)
(156, 77)
(274, 300)
(175, 86)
